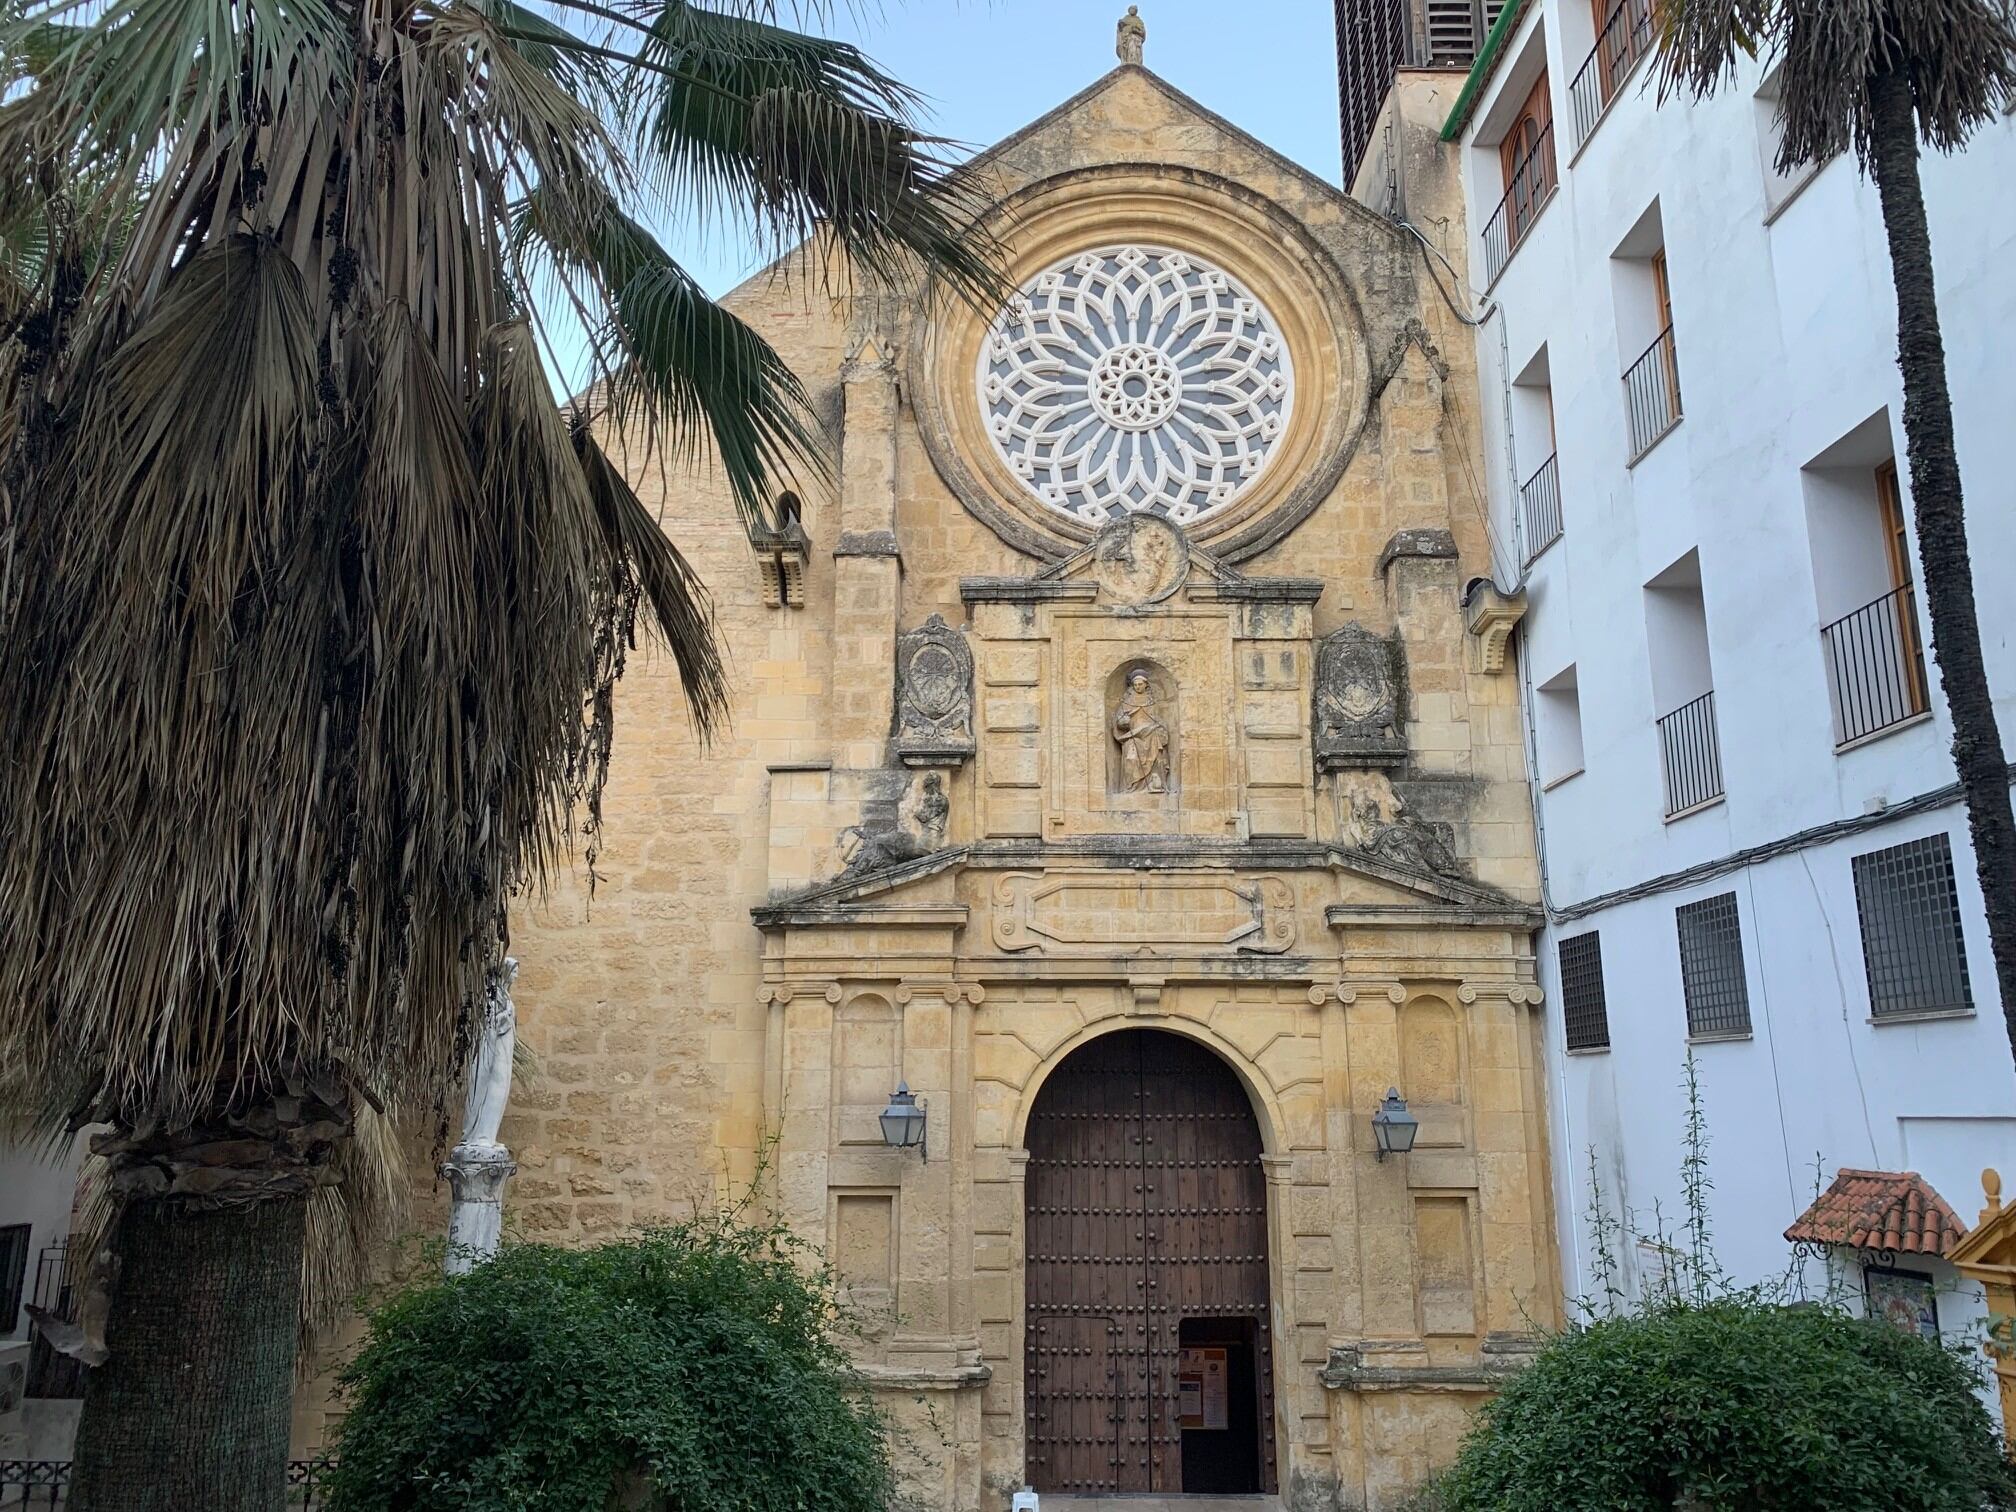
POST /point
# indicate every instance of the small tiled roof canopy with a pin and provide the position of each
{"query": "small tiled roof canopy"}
(1880, 1210)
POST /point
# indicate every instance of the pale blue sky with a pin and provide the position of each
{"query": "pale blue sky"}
(991, 66)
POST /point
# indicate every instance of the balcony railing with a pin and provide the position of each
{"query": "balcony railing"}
(1652, 393)
(1541, 495)
(1626, 37)
(1876, 666)
(1533, 179)
(1692, 755)
(51, 1374)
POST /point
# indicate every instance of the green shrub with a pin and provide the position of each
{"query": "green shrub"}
(1734, 1405)
(695, 1360)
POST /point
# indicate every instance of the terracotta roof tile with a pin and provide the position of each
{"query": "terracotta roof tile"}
(1880, 1210)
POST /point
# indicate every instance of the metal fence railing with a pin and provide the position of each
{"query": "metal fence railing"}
(1652, 393)
(1691, 754)
(1533, 179)
(1626, 37)
(1541, 497)
(39, 1485)
(49, 1373)
(1875, 666)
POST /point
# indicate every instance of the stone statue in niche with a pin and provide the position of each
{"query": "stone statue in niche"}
(1361, 689)
(934, 696)
(933, 810)
(1143, 737)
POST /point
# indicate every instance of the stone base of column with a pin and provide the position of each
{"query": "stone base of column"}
(476, 1175)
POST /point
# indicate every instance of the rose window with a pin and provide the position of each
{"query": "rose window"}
(1135, 380)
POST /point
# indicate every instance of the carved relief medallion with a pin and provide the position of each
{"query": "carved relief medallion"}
(1140, 560)
(1360, 693)
(934, 695)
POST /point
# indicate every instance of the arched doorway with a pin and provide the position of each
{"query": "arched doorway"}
(1147, 1364)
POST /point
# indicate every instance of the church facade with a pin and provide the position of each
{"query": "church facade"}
(1125, 765)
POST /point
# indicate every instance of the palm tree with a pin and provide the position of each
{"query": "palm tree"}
(312, 599)
(1882, 76)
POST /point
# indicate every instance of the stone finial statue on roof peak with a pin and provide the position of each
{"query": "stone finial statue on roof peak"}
(1132, 36)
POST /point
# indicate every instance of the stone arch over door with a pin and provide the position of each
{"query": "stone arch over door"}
(1148, 1357)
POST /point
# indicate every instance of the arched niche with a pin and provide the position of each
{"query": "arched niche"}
(1130, 719)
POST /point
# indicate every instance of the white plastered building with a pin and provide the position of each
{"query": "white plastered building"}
(1752, 837)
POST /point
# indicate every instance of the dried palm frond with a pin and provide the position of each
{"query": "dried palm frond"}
(312, 600)
(1959, 56)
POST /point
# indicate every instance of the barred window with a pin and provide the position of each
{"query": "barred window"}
(1711, 967)
(1911, 943)
(1584, 1015)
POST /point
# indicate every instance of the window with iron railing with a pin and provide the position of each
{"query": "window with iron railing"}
(1863, 578)
(1652, 393)
(1530, 181)
(51, 1374)
(1540, 495)
(1912, 947)
(1585, 1012)
(1526, 168)
(1691, 753)
(1624, 34)
(1711, 968)
(1875, 666)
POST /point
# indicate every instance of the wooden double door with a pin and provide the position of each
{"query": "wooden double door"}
(1147, 1362)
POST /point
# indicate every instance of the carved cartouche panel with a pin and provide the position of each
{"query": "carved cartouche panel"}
(934, 695)
(1361, 696)
(1099, 912)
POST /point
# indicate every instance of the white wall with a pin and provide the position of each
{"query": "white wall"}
(1784, 324)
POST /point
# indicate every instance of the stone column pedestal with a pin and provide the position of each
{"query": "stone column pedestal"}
(476, 1175)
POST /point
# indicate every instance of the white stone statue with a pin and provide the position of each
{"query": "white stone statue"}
(490, 1067)
(1133, 36)
(478, 1167)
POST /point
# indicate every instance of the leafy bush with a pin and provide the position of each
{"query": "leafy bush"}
(689, 1366)
(1735, 1405)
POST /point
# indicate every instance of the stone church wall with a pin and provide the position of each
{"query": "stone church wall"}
(1328, 880)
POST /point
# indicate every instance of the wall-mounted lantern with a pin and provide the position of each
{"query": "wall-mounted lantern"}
(903, 1122)
(1393, 1127)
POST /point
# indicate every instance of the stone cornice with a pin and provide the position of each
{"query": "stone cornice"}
(841, 901)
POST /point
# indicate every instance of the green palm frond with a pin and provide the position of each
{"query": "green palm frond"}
(1959, 56)
(802, 132)
(312, 599)
(677, 364)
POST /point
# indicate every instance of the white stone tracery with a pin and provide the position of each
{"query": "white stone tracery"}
(1133, 379)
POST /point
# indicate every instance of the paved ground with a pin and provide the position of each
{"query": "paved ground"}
(1161, 1502)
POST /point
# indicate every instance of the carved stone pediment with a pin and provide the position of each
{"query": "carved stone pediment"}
(1361, 698)
(934, 696)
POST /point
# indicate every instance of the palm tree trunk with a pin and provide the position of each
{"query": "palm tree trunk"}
(193, 1408)
(1942, 523)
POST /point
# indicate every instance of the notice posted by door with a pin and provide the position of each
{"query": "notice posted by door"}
(1200, 1388)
